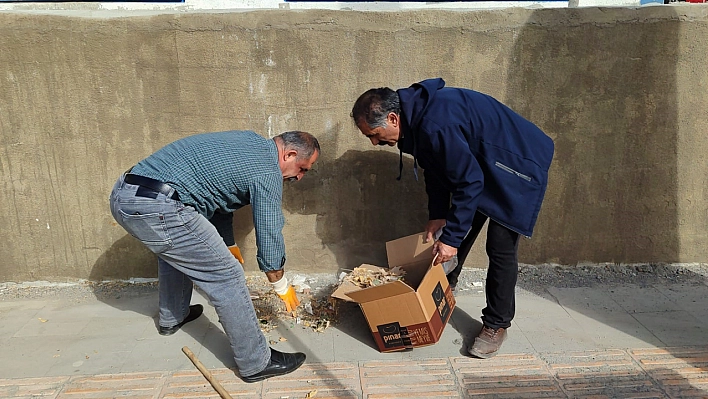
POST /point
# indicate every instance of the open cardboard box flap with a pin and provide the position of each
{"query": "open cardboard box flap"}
(380, 291)
(411, 254)
(407, 250)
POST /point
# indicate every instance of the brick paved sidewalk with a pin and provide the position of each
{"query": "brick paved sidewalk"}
(679, 372)
(600, 341)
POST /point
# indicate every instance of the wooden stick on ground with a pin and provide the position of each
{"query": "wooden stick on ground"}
(214, 383)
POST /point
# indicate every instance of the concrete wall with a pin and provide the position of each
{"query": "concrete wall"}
(621, 91)
(201, 5)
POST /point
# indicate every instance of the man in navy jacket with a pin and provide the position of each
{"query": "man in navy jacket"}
(481, 161)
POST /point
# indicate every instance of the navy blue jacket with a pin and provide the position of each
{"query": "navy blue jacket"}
(477, 155)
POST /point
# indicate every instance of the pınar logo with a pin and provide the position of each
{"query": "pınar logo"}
(441, 303)
(393, 335)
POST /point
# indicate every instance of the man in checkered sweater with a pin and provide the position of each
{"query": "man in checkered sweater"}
(179, 203)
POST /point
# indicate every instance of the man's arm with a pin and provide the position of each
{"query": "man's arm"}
(268, 220)
(466, 182)
(223, 221)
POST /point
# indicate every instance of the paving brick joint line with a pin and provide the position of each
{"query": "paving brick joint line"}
(678, 372)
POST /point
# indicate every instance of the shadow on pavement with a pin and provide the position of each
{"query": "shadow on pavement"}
(352, 322)
(467, 326)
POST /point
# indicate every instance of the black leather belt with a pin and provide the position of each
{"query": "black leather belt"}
(150, 187)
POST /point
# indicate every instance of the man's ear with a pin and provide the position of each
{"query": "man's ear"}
(393, 119)
(289, 154)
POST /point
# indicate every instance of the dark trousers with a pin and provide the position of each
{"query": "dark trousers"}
(224, 223)
(502, 249)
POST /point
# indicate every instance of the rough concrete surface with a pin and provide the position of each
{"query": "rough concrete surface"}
(618, 89)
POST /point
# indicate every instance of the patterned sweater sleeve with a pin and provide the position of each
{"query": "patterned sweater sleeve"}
(268, 219)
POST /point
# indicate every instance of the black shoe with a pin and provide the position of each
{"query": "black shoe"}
(194, 312)
(452, 281)
(280, 364)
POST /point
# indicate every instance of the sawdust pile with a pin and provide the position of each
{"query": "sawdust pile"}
(363, 277)
(316, 311)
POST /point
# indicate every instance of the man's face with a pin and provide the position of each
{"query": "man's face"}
(385, 135)
(293, 168)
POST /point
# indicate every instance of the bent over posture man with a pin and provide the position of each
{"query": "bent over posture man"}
(481, 161)
(167, 201)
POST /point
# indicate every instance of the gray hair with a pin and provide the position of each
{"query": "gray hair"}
(304, 143)
(374, 106)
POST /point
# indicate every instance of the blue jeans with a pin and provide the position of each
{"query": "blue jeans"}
(190, 250)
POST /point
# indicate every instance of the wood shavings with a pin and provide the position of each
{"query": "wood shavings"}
(313, 312)
(364, 278)
(317, 325)
(324, 310)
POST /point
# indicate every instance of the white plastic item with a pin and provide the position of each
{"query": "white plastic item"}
(450, 265)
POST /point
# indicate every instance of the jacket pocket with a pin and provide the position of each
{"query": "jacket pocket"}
(512, 171)
(513, 189)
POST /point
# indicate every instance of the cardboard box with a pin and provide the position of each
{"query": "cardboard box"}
(409, 313)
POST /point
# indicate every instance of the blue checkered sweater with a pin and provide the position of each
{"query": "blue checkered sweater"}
(227, 170)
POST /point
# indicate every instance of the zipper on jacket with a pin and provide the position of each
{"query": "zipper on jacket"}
(510, 170)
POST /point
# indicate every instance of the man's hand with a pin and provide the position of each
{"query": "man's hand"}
(431, 227)
(443, 251)
(290, 299)
(285, 291)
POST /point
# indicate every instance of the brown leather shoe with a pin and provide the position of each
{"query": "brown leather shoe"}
(488, 342)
